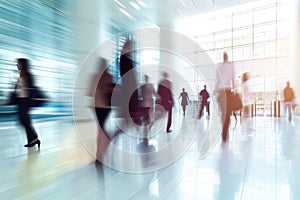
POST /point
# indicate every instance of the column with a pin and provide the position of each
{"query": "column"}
(296, 53)
(88, 18)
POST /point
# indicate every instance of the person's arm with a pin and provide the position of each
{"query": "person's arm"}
(293, 94)
(12, 97)
(232, 82)
(232, 76)
(154, 93)
(170, 93)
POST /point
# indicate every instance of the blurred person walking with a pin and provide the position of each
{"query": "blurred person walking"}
(246, 98)
(224, 87)
(130, 107)
(166, 98)
(289, 96)
(204, 102)
(184, 100)
(246, 95)
(148, 92)
(22, 97)
(102, 104)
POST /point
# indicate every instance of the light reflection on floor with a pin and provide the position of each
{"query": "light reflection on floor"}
(261, 161)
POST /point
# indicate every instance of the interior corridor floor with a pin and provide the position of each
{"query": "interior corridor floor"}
(261, 161)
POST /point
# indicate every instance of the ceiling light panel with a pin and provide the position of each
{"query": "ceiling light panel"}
(120, 4)
(134, 5)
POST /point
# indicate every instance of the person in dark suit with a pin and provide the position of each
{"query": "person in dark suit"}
(204, 103)
(166, 98)
(23, 87)
(130, 105)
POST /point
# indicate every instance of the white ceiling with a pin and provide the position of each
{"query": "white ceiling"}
(162, 12)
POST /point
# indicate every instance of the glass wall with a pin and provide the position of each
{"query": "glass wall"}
(256, 37)
(42, 32)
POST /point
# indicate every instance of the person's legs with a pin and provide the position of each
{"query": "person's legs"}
(169, 119)
(146, 121)
(207, 108)
(289, 107)
(183, 108)
(223, 100)
(102, 114)
(102, 137)
(285, 105)
(146, 115)
(225, 129)
(227, 117)
(201, 110)
(25, 120)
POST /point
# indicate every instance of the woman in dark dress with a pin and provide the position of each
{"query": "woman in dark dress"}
(23, 86)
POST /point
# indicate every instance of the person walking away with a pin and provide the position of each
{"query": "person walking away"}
(246, 99)
(224, 87)
(166, 98)
(148, 92)
(289, 96)
(102, 93)
(130, 105)
(184, 100)
(204, 102)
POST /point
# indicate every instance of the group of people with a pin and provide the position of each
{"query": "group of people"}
(225, 90)
(133, 101)
(203, 94)
(134, 109)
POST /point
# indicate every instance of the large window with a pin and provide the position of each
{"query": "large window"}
(255, 36)
(42, 32)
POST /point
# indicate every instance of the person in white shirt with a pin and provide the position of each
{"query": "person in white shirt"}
(224, 87)
(147, 104)
(247, 125)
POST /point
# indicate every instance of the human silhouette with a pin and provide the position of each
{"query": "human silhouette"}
(166, 98)
(102, 104)
(184, 100)
(246, 99)
(204, 102)
(130, 102)
(23, 88)
(246, 94)
(224, 87)
(289, 96)
(148, 92)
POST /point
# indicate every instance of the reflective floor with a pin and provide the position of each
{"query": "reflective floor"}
(261, 161)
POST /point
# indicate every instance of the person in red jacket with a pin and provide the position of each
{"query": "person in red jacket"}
(204, 103)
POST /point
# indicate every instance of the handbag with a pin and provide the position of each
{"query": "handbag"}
(235, 102)
(294, 104)
(37, 97)
(13, 99)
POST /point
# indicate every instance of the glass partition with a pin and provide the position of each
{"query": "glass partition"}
(42, 32)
